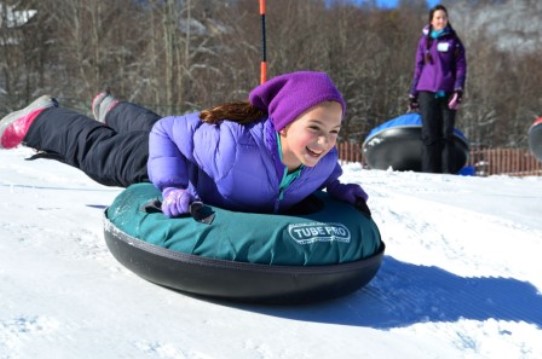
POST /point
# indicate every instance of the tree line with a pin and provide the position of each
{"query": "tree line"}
(175, 56)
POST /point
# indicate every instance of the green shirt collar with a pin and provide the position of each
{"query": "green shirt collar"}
(287, 178)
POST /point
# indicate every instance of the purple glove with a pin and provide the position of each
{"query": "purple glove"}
(346, 192)
(176, 201)
(455, 100)
(350, 193)
(413, 104)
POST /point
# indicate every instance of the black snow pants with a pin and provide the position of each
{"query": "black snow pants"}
(113, 154)
(438, 123)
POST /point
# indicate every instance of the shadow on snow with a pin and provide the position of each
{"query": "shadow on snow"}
(403, 294)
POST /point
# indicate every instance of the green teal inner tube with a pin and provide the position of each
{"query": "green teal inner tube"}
(322, 250)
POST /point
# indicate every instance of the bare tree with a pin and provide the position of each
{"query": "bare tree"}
(181, 55)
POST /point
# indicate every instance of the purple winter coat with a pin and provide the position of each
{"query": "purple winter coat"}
(230, 165)
(448, 70)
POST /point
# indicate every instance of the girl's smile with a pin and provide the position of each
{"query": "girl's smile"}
(309, 138)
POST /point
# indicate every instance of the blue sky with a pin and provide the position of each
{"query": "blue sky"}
(393, 3)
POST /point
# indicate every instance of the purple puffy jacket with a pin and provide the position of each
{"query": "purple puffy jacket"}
(448, 70)
(230, 165)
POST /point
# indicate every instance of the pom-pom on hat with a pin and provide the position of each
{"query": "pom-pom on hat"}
(287, 96)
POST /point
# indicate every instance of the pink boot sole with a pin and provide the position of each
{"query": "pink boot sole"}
(14, 127)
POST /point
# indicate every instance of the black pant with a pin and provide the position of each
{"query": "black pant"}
(114, 154)
(438, 123)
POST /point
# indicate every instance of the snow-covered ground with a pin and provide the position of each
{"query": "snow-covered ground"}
(461, 278)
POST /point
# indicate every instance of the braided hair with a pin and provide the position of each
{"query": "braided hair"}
(241, 112)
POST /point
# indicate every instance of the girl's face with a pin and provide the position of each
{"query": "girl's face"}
(311, 136)
(439, 20)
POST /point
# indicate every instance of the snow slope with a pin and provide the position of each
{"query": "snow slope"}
(462, 278)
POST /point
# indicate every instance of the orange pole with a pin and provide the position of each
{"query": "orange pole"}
(263, 72)
(263, 64)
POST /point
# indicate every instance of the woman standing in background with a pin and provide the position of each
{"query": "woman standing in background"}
(437, 89)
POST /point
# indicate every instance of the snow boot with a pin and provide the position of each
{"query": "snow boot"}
(102, 104)
(14, 126)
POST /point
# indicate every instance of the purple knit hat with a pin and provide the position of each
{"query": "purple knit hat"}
(287, 96)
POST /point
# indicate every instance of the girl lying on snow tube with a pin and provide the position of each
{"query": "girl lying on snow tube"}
(265, 155)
